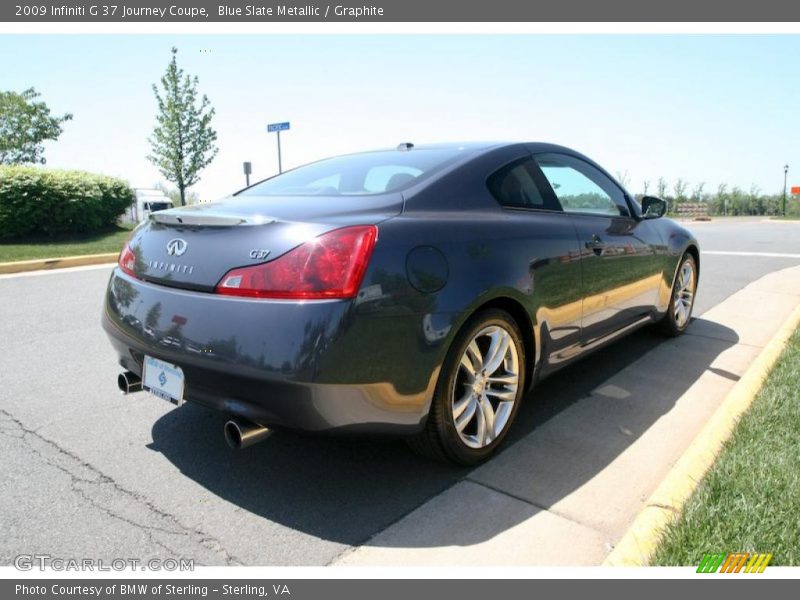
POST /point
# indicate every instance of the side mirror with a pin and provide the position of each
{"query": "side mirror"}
(653, 208)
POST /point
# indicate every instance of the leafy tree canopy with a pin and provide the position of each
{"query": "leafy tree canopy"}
(183, 140)
(25, 124)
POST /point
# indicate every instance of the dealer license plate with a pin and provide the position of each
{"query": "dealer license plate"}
(163, 379)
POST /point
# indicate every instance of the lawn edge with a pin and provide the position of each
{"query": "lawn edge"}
(39, 264)
(638, 544)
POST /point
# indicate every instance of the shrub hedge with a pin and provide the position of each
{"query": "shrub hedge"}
(43, 201)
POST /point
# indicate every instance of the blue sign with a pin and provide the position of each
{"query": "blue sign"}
(278, 127)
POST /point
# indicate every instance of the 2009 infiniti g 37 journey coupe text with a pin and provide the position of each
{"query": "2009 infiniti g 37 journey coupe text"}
(416, 291)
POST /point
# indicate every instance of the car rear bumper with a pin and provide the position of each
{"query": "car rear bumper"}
(319, 365)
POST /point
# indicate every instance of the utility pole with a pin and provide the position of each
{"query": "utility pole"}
(277, 128)
(785, 176)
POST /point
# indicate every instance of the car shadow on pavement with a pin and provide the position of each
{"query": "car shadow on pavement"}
(346, 489)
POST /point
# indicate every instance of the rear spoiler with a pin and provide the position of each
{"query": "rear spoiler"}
(206, 218)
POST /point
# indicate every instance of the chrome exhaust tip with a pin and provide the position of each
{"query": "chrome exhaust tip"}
(241, 433)
(129, 382)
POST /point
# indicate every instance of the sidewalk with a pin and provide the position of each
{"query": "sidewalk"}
(567, 492)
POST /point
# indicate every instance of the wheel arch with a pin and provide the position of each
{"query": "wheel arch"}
(695, 252)
(523, 320)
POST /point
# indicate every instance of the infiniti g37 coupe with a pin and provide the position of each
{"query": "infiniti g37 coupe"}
(418, 291)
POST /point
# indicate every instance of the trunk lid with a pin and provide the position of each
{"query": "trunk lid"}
(194, 246)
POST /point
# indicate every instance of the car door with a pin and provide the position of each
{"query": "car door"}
(547, 243)
(620, 267)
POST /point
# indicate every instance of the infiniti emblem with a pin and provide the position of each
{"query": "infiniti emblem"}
(176, 247)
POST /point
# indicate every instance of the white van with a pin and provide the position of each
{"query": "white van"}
(147, 201)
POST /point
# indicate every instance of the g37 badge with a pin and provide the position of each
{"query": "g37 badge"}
(257, 254)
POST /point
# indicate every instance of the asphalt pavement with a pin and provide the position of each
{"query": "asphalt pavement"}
(87, 472)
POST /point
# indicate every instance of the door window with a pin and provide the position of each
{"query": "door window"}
(580, 187)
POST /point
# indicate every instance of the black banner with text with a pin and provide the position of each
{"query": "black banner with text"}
(341, 589)
(402, 11)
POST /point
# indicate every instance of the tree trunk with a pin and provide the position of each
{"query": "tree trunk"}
(182, 189)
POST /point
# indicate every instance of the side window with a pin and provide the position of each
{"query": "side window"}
(580, 187)
(514, 186)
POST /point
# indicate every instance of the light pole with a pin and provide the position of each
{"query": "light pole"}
(785, 176)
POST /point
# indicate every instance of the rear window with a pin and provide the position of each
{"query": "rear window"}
(359, 174)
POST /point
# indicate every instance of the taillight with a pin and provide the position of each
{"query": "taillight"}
(329, 266)
(127, 260)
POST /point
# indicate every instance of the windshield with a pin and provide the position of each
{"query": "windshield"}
(359, 174)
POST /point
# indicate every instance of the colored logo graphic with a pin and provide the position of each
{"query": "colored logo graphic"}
(162, 378)
(734, 562)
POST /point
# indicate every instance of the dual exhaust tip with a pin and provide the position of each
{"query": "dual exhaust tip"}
(239, 433)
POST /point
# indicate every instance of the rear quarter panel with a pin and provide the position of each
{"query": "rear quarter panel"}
(531, 259)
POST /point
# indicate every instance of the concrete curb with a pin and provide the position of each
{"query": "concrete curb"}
(640, 541)
(21, 266)
(781, 221)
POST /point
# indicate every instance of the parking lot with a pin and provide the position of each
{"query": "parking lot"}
(88, 472)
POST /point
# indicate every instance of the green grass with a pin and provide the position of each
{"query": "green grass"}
(30, 248)
(750, 500)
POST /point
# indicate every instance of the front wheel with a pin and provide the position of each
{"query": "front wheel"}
(478, 392)
(681, 302)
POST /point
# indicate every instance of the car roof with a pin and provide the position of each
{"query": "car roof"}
(472, 146)
(478, 147)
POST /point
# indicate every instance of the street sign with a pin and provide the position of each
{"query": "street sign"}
(796, 189)
(276, 128)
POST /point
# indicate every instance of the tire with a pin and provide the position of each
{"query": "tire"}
(459, 428)
(675, 322)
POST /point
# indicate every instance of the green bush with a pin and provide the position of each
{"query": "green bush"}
(43, 201)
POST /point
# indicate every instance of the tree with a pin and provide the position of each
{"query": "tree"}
(757, 201)
(24, 125)
(697, 192)
(680, 188)
(182, 140)
(721, 199)
(661, 187)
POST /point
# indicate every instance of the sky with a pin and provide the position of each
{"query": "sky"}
(704, 108)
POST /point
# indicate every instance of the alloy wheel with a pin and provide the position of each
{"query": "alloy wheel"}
(485, 389)
(683, 296)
